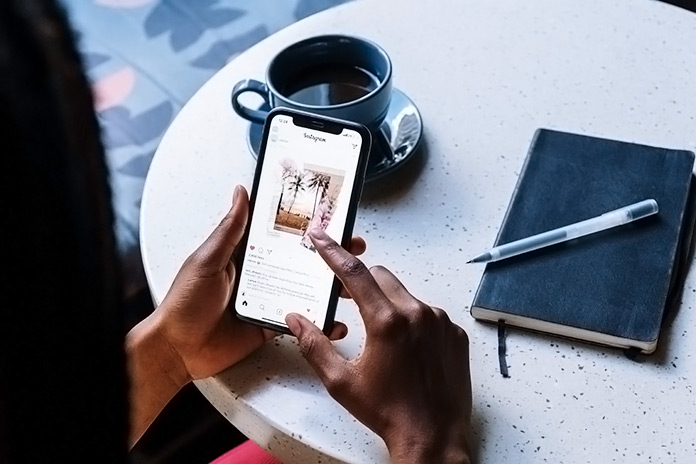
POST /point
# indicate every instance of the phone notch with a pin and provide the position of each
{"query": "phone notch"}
(311, 123)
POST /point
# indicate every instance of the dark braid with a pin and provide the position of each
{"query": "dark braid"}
(62, 372)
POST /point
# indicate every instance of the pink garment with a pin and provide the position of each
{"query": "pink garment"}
(246, 453)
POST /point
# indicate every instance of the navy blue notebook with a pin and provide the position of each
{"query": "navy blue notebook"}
(612, 287)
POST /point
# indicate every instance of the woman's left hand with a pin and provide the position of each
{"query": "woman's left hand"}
(194, 318)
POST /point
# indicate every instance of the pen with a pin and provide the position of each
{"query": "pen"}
(608, 220)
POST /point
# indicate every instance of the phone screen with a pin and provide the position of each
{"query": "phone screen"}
(306, 182)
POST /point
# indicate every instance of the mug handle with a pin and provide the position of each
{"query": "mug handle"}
(249, 85)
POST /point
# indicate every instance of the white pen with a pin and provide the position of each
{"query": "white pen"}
(608, 220)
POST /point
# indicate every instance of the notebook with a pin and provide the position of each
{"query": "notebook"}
(612, 287)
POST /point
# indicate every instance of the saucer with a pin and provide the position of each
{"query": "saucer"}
(402, 131)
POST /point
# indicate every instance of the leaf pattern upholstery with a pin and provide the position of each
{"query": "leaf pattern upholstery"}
(173, 46)
(175, 18)
(221, 51)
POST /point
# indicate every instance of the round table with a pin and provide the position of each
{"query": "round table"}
(485, 75)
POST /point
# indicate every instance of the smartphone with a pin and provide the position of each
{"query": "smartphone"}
(309, 173)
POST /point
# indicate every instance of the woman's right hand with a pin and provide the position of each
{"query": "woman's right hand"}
(411, 385)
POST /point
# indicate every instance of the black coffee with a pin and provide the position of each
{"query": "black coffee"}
(330, 85)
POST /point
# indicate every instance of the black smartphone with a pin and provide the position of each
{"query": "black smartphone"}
(309, 174)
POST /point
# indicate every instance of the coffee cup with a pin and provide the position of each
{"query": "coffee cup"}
(332, 75)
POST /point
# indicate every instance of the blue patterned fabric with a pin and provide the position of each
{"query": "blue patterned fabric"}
(145, 58)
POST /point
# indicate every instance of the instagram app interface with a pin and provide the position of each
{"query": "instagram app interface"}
(306, 182)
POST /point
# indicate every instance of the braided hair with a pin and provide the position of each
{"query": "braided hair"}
(62, 366)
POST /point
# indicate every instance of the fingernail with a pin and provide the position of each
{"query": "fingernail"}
(294, 324)
(318, 234)
(235, 195)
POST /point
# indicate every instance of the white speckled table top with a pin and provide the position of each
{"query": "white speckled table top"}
(485, 75)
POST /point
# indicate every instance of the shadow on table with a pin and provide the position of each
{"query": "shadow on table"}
(686, 4)
(279, 359)
(478, 433)
(660, 358)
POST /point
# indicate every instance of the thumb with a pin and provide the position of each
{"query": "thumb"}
(217, 250)
(317, 350)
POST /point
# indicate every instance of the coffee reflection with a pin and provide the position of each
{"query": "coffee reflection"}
(330, 84)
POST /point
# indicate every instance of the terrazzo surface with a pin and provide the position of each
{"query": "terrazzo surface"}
(485, 76)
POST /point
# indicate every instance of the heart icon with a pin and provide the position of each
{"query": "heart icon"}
(252, 247)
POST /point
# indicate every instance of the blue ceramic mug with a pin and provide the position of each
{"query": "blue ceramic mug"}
(332, 75)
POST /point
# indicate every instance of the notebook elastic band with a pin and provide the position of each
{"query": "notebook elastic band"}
(502, 357)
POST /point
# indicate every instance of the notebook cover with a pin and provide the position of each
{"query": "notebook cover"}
(614, 282)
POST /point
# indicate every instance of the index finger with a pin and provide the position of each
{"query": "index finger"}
(356, 278)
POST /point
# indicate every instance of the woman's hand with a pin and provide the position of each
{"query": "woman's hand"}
(411, 383)
(193, 317)
(193, 334)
